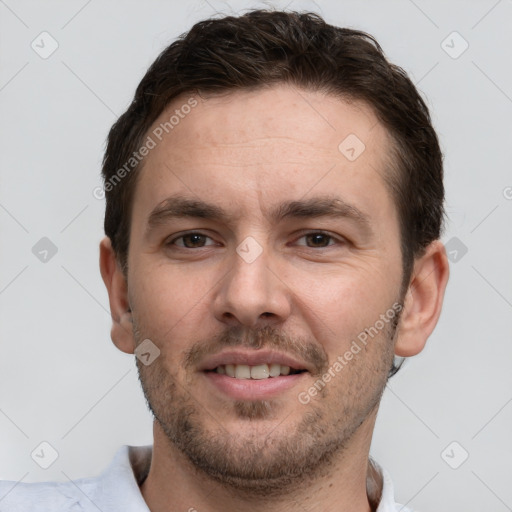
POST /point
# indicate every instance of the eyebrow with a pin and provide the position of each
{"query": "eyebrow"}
(179, 206)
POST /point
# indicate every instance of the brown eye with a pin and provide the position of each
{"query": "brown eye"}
(319, 240)
(190, 241)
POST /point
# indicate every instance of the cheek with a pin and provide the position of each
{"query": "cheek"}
(340, 305)
(168, 302)
(355, 286)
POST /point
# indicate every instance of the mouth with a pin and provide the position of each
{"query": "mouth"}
(256, 372)
(254, 375)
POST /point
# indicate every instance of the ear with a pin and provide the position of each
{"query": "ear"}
(423, 301)
(121, 332)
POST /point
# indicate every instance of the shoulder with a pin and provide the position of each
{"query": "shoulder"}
(388, 503)
(115, 485)
(44, 496)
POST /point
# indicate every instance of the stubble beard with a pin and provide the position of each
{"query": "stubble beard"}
(265, 463)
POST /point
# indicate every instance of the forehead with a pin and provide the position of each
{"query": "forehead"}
(314, 120)
(258, 146)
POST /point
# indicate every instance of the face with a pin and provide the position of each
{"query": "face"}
(263, 240)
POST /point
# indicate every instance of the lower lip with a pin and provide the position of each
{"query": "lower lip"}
(253, 389)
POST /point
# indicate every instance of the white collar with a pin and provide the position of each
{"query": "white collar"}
(131, 465)
(116, 488)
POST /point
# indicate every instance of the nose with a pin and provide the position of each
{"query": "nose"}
(252, 294)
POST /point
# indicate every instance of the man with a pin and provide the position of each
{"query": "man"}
(274, 207)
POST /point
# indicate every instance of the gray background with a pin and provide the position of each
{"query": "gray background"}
(62, 380)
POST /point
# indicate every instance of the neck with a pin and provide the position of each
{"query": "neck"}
(350, 483)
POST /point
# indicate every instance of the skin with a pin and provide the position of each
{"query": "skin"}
(248, 151)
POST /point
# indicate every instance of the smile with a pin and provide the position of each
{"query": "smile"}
(258, 372)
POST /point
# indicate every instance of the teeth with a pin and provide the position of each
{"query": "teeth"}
(275, 370)
(230, 370)
(260, 371)
(242, 371)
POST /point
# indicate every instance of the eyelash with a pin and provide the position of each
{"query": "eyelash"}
(308, 233)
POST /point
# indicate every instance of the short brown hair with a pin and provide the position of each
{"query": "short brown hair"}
(263, 48)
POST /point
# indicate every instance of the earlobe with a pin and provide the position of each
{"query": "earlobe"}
(423, 301)
(115, 282)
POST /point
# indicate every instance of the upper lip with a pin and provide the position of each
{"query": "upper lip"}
(252, 358)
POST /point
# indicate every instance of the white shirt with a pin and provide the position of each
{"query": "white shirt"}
(116, 489)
